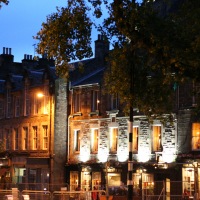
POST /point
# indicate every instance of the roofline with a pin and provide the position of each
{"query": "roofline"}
(86, 85)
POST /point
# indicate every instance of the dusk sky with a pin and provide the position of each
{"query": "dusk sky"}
(20, 20)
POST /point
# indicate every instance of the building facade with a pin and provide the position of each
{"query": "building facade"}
(76, 135)
(98, 139)
(27, 111)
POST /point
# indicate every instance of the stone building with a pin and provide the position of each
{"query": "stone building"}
(28, 140)
(98, 138)
(77, 135)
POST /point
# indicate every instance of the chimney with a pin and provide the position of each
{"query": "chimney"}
(7, 55)
(101, 47)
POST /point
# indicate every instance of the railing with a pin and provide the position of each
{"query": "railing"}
(33, 191)
(47, 195)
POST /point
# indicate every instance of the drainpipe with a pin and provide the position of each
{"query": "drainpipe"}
(69, 117)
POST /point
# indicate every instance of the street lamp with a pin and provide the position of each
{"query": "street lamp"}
(49, 99)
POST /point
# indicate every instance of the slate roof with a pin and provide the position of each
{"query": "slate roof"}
(85, 72)
(92, 78)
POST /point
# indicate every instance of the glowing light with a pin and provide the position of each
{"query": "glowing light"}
(84, 156)
(40, 95)
(122, 158)
(144, 154)
(168, 158)
(103, 157)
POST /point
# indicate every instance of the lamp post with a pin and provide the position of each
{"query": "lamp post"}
(107, 191)
(50, 100)
(130, 129)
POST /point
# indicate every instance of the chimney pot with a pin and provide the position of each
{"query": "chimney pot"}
(4, 50)
(99, 37)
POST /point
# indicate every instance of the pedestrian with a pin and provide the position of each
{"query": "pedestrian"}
(3, 182)
(94, 194)
(185, 195)
(77, 194)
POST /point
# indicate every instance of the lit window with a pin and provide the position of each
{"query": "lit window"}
(94, 140)
(96, 180)
(195, 136)
(25, 140)
(135, 139)
(94, 100)
(156, 138)
(77, 140)
(85, 179)
(16, 139)
(45, 100)
(35, 137)
(37, 105)
(73, 180)
(113, 140)
(114, 179)
(77, 103)
(45, 137)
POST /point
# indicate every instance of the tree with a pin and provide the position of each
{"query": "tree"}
(66, 35)
(157, 45)
(153, 48)
(3, 1)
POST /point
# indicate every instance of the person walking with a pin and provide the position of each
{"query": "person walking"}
(185, 195)
(94, 194)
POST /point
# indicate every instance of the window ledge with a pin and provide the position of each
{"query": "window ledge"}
(77, 114)
(94, 113)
